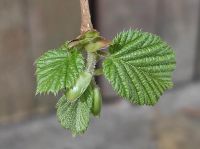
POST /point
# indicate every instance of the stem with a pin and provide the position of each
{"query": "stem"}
(86, 23)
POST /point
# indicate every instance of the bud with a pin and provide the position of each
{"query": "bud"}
(98, 44)
(80, 86)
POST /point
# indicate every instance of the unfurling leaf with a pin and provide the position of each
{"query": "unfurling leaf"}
(139, 66)
(97, 102)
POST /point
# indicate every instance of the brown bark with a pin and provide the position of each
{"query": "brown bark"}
(86, 23)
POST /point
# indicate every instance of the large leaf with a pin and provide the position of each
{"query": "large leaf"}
(58, 69)
(75, 116)
(139, 67)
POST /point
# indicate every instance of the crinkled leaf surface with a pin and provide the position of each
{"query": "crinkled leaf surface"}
(139, 66)
(58, 69)
(75, 116)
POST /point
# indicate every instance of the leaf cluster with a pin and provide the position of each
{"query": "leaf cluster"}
(138, 65)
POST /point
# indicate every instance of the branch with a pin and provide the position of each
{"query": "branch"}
(86, 23)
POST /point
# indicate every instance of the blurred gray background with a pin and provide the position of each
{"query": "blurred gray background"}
(28, 28)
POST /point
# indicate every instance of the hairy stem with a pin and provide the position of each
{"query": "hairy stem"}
(86, 23)
(91, 62)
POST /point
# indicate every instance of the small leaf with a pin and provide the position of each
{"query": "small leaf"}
(75, 116)
(139, 67)
(58, 69)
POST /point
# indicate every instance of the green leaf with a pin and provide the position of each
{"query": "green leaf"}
(139, 67)
(75, 116)
(58, 69)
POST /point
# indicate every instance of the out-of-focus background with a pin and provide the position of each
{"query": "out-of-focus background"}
(28, 28)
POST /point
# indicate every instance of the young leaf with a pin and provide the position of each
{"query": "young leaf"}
(58, 69)
(75, 116)
(139, 67)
